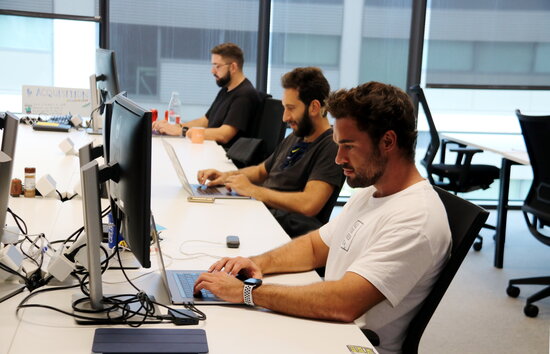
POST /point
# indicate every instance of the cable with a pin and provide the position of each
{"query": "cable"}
(16, 218)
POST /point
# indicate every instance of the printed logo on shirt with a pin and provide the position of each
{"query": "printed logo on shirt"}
(346, 243)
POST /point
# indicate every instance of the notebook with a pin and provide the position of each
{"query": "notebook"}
(179, 283)
(197, 190)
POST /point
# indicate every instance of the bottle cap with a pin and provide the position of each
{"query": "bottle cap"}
(30, 170)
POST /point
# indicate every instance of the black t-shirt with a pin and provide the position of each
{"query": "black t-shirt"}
(294, 163)
(236, 108)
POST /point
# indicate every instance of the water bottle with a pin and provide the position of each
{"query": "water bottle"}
(174, 108)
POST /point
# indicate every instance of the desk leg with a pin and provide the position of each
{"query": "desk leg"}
(502, 211)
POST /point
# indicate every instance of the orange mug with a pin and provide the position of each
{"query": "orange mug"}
(196, 134)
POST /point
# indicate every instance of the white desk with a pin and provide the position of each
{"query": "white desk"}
(230, 329)
(513, 151)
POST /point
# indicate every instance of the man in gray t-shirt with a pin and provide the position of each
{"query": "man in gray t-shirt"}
(300, 181)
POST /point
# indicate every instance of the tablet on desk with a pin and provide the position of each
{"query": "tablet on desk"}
(149, 340)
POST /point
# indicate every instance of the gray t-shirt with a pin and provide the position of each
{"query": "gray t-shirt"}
(289, 173)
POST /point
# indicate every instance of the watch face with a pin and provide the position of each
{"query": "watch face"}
(253, 281)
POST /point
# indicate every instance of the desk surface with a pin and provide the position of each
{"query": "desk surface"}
(510, 146)
(197, 230)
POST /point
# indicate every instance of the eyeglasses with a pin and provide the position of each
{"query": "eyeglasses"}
(218, 66)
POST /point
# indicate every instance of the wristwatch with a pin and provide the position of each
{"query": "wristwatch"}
(184, 131)
(249, 285)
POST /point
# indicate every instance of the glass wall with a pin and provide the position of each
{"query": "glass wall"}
(489, 42)
(305, 33)
(164, 46)
(385, 34)
(44, 52)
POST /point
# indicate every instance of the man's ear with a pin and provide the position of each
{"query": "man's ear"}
(388, 141)
(314, 108)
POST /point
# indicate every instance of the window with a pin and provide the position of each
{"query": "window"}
(164, 46)
(44, 52)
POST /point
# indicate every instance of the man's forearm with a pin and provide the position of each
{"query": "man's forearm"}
(199, 122)
(320, 300)
(301, 254)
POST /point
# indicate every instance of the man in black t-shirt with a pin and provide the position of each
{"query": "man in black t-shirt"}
(300, 181)
(230, 115)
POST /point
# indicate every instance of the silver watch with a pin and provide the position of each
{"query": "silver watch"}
(249, 285)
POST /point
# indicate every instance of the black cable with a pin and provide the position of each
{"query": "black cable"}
(17, 218)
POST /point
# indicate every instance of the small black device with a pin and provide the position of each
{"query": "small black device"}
(232, 241)
(183, 317)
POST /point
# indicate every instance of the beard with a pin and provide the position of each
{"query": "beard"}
(224, 80)
(372, 175)
(305, 126)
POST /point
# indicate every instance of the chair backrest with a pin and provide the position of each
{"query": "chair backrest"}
(269, 125)
(536, 133)
(465, 221)
(324, 214)
(434, 144)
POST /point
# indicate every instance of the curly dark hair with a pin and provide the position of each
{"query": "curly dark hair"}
(310, 83)
(378, 108)
(230, 51)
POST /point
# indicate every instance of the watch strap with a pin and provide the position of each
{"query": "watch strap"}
(247, 294)
(184, 130)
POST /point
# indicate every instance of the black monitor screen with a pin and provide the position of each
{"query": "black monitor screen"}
(106, 74)
(8, 125)
(130, 196)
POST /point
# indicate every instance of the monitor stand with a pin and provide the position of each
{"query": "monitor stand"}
(93, 131)
(8, 290)
(127, 259)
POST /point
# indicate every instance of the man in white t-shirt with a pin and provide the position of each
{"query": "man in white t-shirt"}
(382, 253)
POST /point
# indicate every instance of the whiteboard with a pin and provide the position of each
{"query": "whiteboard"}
(56, 100)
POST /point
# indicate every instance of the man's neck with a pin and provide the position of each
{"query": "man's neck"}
(236, 80)
(396, 178)
(320, 125)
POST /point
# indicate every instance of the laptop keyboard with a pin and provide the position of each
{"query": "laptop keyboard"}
(208, 191)
(187, 282)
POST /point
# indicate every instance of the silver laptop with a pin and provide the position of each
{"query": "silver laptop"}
(197, 190)
(179, 283)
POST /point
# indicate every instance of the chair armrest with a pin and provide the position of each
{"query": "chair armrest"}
(444, 143)
(466, 150)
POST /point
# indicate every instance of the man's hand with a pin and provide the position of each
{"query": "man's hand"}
(222, 285)
(215, 177)
(221, 278)
(237, 265)
(240, 184)
(163, 127)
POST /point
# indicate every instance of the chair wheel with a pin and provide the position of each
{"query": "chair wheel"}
(531, 310)
(512, 291)
(478, 245)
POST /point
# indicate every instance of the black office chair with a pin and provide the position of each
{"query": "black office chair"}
(460, 177)
(266, 132)
(536, 208)
(465, 221)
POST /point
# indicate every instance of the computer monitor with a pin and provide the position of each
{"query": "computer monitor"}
(103, 85)
(128, 175)
(9, 124)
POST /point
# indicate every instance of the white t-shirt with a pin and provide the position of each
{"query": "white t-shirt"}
(398, 243)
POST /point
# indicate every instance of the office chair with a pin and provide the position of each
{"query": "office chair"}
(536, 208)
(266, 132)
(465, 221)
(460, 177)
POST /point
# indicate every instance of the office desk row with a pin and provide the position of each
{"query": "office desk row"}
(511, 147)
(193, 238)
